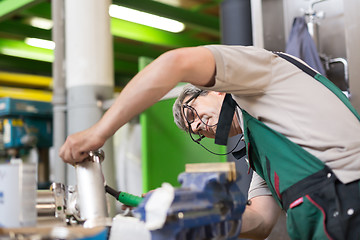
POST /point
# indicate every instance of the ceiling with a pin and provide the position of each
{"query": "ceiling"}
(130, 40)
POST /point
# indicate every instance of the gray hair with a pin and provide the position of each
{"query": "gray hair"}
(188, 90)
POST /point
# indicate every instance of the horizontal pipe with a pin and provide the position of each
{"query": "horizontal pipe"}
(26, 94)
(45, 203)
(19, 79)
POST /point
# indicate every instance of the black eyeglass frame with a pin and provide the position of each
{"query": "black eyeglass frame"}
(186, 106)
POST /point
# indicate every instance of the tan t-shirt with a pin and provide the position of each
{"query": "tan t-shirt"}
(293, 103)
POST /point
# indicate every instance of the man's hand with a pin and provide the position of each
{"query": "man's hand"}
(77, 146)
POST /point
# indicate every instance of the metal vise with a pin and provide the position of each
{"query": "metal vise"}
(208, 205)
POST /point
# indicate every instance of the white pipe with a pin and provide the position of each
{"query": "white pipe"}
(89, 78)
(88, 43)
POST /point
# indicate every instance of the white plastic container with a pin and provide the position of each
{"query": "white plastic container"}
(17, 194)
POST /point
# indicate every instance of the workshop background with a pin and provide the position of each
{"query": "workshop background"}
(47, 93)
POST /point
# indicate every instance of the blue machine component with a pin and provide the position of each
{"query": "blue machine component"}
(26, 123)
(27, 132)
(207, 206)
(19, 107)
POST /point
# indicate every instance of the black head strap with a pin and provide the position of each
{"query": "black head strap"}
(225, 120)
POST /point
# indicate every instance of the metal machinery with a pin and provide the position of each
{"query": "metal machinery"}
(84, 204)
(26, 125)
(208, 205)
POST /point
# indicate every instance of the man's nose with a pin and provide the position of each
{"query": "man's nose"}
(196, 125)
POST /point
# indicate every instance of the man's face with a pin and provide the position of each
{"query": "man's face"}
(205, 119)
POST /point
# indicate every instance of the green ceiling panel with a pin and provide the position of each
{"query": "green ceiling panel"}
(15, 64)
(134, 31)
(11, 7)
(21, 49)
(206, 23)
(24, 30)
(137, 50)
(42, 10)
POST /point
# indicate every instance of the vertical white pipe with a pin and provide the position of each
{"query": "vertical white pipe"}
(89, 76)
(88, 43)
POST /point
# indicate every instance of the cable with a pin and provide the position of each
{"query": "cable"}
(218, 154)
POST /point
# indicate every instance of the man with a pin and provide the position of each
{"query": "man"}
(280, 100)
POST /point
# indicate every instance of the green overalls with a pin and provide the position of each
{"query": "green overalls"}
(318, 205)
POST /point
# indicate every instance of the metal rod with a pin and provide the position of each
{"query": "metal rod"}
(59, 93)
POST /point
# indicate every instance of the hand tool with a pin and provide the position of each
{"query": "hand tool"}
(124, 197)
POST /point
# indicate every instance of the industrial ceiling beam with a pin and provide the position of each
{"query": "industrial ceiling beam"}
(138, 32)
(16, 64)
(203, 22)
(24, 30)
(21, 49)
(20, 30)
(10, 7)
(124, 72)
(42, 10)
(119, 28)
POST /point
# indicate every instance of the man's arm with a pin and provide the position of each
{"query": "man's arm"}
(193, 65)
(259, 217)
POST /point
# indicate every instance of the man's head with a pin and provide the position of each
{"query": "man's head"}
(187, 92)
(199, 109)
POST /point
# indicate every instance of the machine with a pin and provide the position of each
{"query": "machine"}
(208, 205)
(26, 125)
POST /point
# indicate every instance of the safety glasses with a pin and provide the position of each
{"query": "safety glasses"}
(190, 114)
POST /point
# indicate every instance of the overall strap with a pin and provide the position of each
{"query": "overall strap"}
(225, 120)
(326, 82)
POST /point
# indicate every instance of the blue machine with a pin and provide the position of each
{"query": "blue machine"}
(207, 206)
(25, 124)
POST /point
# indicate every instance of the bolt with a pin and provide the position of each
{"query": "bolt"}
(97, 155)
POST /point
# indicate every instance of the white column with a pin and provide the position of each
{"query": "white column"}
(89, 71)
